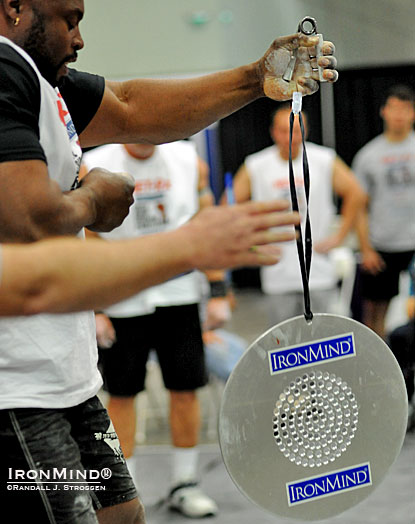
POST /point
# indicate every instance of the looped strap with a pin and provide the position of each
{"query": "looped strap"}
(304, 250)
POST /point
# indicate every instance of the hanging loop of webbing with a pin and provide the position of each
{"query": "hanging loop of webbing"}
(304, 248)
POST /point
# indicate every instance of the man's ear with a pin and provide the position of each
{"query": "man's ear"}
(15, 4)
(12, 7)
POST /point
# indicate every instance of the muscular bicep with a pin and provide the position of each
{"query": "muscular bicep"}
(157, 111)
(133, 111)
(111, 121)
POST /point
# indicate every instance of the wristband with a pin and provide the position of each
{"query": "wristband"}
(218, 289)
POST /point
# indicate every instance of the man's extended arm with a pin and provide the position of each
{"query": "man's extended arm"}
(69, 274)
(158, 111)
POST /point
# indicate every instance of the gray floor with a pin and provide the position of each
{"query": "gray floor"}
(392, 503)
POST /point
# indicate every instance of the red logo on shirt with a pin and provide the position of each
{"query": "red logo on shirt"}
(62, 112)
(152, 185)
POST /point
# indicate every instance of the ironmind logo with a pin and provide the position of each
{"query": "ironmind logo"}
(309, 353)
(332, 483)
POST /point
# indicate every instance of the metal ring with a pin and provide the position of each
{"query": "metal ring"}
(310, 20)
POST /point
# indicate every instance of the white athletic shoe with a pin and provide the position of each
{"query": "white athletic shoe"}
(192, 502)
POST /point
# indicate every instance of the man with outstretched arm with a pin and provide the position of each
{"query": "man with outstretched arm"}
(67, 274)
(49, 415)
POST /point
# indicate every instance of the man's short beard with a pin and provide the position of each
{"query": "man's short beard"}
(35, 44)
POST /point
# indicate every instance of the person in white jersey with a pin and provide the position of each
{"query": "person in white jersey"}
(50, 418)
(265, 174)
(386, 169)
(171, 185)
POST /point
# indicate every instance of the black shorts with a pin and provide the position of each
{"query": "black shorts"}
(385, 285)
(174, 332)
(60, 465)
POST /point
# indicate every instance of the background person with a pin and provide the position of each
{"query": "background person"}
(386, 229)
(171, 185)
(266, 174)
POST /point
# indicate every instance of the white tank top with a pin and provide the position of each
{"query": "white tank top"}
(269, 178)
(166, 196)
(50, 361)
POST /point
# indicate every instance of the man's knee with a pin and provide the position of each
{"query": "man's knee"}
(131, 512)
(139, 517)
(136, 512)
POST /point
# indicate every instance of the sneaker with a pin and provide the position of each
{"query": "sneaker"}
(189, 500)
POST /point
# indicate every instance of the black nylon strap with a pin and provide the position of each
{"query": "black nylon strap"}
(304, 252)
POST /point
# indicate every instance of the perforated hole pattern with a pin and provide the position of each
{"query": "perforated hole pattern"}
(315, 419)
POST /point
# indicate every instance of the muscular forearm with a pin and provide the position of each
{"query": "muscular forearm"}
(66, 274)
(69, 274)
(33, 206)
(72, 211)
(159, 111)
(198, 102)
(65, 216)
